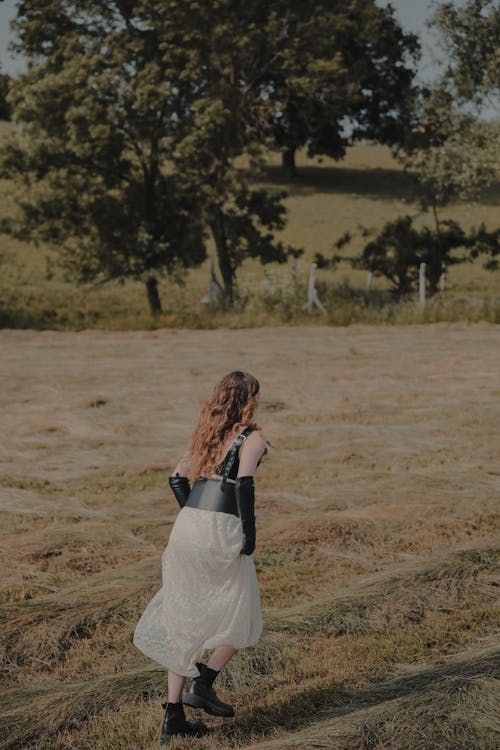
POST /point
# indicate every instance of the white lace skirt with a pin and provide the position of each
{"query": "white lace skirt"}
(210, 595)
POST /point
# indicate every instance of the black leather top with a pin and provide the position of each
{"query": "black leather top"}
(211, 494)
(217, 494)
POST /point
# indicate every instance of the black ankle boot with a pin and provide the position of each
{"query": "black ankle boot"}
(202, 695)
(175, 724)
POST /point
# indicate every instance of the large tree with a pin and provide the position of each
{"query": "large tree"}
(96, 108)
(347, 72)
(134, 114)
(184, 90)
(453, 154)
(467, 158)
(233, 47)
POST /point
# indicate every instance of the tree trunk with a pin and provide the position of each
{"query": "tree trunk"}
(288, 162)
(226, 268)
(153, 296)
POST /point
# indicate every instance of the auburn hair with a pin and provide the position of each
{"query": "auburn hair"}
(230, 408)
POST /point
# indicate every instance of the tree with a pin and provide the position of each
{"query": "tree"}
(346, 73)
(92, 155)
(222, 56)
(455, 154)
(452, 154)
(399, 248)
(471, 35)
(469, 159)
(136, 113)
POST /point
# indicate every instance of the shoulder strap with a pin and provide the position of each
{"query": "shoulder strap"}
(228, 461)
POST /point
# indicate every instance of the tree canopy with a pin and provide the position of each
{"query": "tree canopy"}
(397, 251)
(455, 153)
(347, 72)
(96, 107)
(471, 36)
(137, 116)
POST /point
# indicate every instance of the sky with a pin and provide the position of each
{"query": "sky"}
(412, 15)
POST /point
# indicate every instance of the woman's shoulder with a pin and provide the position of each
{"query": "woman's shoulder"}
(255, 441)
(251, 452)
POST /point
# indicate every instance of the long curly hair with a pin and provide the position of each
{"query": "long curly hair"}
(230, 409)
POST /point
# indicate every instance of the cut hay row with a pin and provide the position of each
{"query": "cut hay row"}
(35, 713)
(104, 590)
(30, 713)
(44, 627)
(456, 582)
(447, 707)
(376, 539)
(384, 602)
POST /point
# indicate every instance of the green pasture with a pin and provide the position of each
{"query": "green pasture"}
(327, 199)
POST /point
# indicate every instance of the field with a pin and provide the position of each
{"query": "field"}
(326, 200)
(377, 524)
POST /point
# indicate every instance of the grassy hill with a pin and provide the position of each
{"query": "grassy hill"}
(327, 199)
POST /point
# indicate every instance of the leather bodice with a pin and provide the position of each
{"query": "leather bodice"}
(217, 493)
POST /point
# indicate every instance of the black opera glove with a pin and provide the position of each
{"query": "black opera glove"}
(181, 488)
(245, 501)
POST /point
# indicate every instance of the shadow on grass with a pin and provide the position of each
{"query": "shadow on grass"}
(305, 707)
(377, 184)
(47, 319)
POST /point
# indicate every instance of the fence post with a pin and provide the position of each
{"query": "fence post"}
(312, 294)
(214, 288)
(421, 286)
(369, 281)
(442, 278)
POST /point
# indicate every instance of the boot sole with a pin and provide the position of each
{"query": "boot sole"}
(194, 701)
(200, 730)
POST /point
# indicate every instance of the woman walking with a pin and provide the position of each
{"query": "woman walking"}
(210, 597)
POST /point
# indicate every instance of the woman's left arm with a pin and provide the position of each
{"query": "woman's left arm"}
(250, 454)
(182, 468)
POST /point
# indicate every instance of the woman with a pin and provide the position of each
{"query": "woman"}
(210, 596)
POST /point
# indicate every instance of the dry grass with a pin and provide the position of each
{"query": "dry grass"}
(388, 602)
(446, 707)
(377, 535)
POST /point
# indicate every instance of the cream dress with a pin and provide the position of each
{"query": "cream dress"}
(210, 595)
